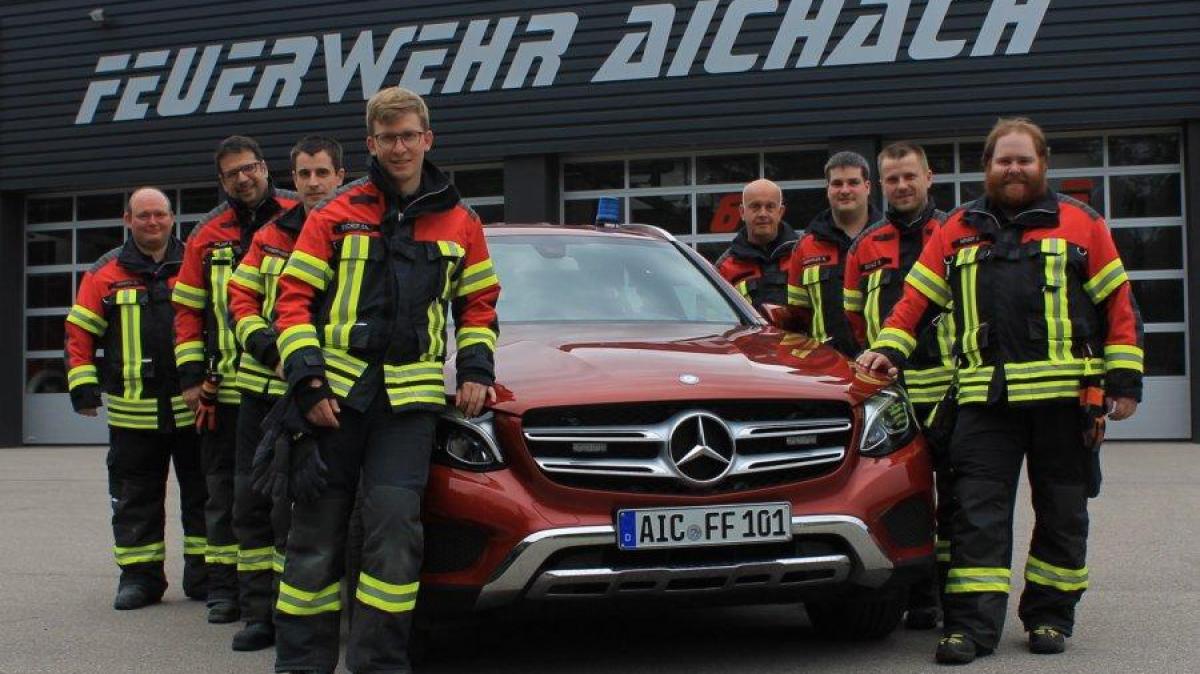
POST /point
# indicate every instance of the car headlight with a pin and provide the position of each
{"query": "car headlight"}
(467, 443)
(890, 423)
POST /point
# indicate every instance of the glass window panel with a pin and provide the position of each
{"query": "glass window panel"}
(44, 333)
(583, 211)
(490, 212)
(480, 182)
(970, 157)
(197, 199)
(729, 168)
(1160, 301)
(45, 375)
(1076, 152)
(56, 209)
(667, 172)
(711, 250)
(795, 165)
(718, 213)
(47, 290)
(970, 191)
(48, 247)
(672, 213)
(608, 175)
(97, 241)
(100, 206)
(1143, 149)
(1088, 190)
(803, 205)
(1165, 354)
(1146, 196)
(942, 195)
(940, 157)
(1150, 247)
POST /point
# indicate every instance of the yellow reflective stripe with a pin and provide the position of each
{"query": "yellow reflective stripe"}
(1058, 369)
(945, 338)
(153, 552)
(743, 289)
(968, 277)
(871, 306)
(248, 326)
(308, 268)
(194, 545)
(932, 375)
(228, 393)
(189, 352)
(131, 342)
(412, 372)
(812, 282)
(896, 339)
(248, 277)
(798, 296)
(343, 311)
(272, 267)
(133, 405)
(256, 559)
(278, 557)
(342, 360)
(1058, 321)
(942, 550)
(296, 337)
(435, 315)
(978, 579)
(433, 395)
(468, 336)
(852, 300)
(1108, 279)
(1067, 580)
(87, 319)
(81, 375)
(295, 601)
(219, 275)
(974, 383)
(386, 596)
(451, 249)
(221, 554)
(1043, 390)
(189, 296)
(1125, 356)
(476, 277)
(930, 285)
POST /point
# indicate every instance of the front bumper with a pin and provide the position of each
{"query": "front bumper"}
(529, 573)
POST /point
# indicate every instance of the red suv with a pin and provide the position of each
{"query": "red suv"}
(655, 438)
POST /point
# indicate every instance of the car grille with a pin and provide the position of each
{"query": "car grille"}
(690, 446)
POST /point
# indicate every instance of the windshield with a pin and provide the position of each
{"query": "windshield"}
(588, 278)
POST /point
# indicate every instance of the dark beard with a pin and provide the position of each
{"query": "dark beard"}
(994, 188)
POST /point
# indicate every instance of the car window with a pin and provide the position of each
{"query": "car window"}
(587, 278)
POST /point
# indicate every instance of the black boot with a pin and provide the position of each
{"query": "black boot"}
(958, 649)
(220, 612)
(1047, 640)
(255, 636)
(134, 596)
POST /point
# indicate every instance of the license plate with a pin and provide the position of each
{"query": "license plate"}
(703, 525)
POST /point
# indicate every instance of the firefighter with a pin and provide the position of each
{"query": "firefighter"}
(758, 260)
(361, 318)
(1042, 306)
(206, 350)
(874, 280)
(818, 264)
(259, 525)
(124, 306)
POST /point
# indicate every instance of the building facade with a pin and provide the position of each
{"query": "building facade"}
(540, 107)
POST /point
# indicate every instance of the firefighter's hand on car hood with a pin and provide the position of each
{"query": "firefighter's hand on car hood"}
(471, 396)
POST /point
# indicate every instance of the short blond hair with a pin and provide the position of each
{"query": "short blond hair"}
(391, 102)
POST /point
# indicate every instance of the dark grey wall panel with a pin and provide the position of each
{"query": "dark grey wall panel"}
(1092, 63)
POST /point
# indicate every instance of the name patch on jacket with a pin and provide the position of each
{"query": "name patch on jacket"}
(345, 227)
(886, 236)
(816, 259)
(968, 240)
(875, 264)
(126, 283)
(277, 252)
(364, 199)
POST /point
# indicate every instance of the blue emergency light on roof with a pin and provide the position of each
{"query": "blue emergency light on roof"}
(608, 211)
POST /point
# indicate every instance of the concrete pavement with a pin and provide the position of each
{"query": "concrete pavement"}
(57, 581)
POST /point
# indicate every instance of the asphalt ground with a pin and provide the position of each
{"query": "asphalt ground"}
(57, 580)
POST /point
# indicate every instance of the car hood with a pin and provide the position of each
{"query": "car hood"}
(552, 364)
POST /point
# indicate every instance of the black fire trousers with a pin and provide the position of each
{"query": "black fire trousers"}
(926, 592)
(390, 450)
(138, 465)
(986, 452)
(218, 451)
(259, 524)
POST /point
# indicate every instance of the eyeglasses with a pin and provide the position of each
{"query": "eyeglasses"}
(410, 139)
(247, 170)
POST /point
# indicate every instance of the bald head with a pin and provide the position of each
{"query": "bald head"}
(150, 220)
(762, 211)
(147, 196)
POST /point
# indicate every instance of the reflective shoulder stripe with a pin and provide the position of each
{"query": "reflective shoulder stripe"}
(1108, 279)
(188, 296)
(87, 319)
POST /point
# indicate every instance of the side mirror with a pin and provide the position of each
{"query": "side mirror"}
(782, 317)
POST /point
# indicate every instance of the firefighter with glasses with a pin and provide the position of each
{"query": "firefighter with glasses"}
(123, 306)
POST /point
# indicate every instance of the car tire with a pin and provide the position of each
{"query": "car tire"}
(857, 617)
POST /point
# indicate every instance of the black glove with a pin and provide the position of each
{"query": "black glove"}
(272, 457)
(308, 471)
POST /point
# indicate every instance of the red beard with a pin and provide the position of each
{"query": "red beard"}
(1016, 191)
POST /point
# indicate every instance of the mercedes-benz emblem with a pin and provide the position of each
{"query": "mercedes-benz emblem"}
(689, 379)
(701, 447)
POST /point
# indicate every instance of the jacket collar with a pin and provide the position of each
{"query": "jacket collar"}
(253, 216)
(292, 220)
(135, 261)
(982, 214)
(908, 224)
(823, 227)
(775, 250)
(435, 194)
